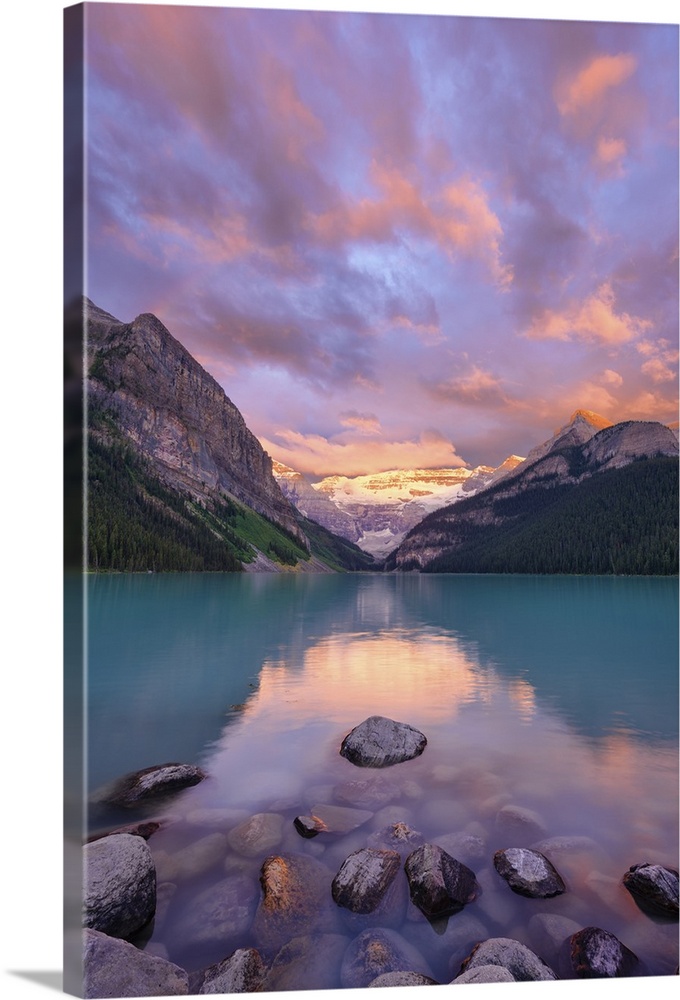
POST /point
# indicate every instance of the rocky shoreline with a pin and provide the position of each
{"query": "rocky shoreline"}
(319, 920)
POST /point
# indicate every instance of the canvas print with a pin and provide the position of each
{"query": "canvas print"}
(371, 658)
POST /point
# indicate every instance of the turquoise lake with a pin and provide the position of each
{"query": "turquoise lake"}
(557, 695)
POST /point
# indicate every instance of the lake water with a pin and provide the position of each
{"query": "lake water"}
(557, 695)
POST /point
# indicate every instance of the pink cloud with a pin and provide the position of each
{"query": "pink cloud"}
(364, 423)
(594, 320)
(609, 153)
(316, 455)
(593, 81)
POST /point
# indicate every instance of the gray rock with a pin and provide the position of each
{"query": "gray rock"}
(522, 963)
(257, 836)
(529, 873)
(466, 847)
(369, 793)
(439, 884)
(194, 859)
(484, 974)
(296, 901)
(308, 962)
(517, 826)
(144, 829)
(381, 742)
(331, 819)
(403, 979)
(396, 837)
(654, 888)
(242, 972)
(365, 878)
(150, 784)
(376, 952)
(120, 885)
(115, 968)
(219, 915)
(597, 954)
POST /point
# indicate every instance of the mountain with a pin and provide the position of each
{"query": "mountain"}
(588, 500)
(176, 478)
(378, 510)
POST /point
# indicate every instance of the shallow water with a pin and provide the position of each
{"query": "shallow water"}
(550, 694)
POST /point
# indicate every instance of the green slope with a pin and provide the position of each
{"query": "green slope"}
(335, 552)
(622, 521)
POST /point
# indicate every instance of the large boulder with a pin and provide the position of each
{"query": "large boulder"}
(654, 888)
(365, 879)
(115, 968)
(120, 885)
(597, 954)
(522, 964)
(529, 873)
(296, 900)
(376, 952)
(150, 784)
(381, 742)
(439, 884)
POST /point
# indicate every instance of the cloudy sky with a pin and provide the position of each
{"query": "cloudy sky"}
(394, 240)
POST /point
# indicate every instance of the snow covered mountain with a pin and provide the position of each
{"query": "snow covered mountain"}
(376, 511)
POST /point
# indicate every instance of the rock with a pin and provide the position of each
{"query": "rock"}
(219, 915)
(597, 954)
(144, 829)
(376, 952)
(296, 900)
(242, 972)
(484, 974)
(257, 836)
(165, 892)
(654, 888)
(403, 979)
(308, 962)
(115, 968)
(150, 784)
(120, 885)
(331, 819)
(516, 958)
(365, 878)
(196, 858)
(370, 793)
(381, 742)
(448, 941)
(396, 837)
(439, 884)
(517, 826)
(548, 933)
(467, 847)
(528, 873)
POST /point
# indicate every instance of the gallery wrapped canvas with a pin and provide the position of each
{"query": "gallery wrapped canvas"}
(371, 494)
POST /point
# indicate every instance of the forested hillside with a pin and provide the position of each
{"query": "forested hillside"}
(621, 521)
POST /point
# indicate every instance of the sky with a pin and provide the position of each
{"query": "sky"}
(395, 240)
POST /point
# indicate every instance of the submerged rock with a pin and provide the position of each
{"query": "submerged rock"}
(144, 829)
(242, 972)
(120, 885)
(258, 835)
(150, 784)
(528, 873)
(522, 964)
(654, 888)
(549, 931)
(396, 837)
(381, 742)
(308, 962)
(439, 884)
(376, 952)
(296, 900)
(519, 826)
(467, 846)
(365, 878)
(219, 915)
(403, 979)
(331, 819)
(597, 954)
(115, 968)
(369, 793)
